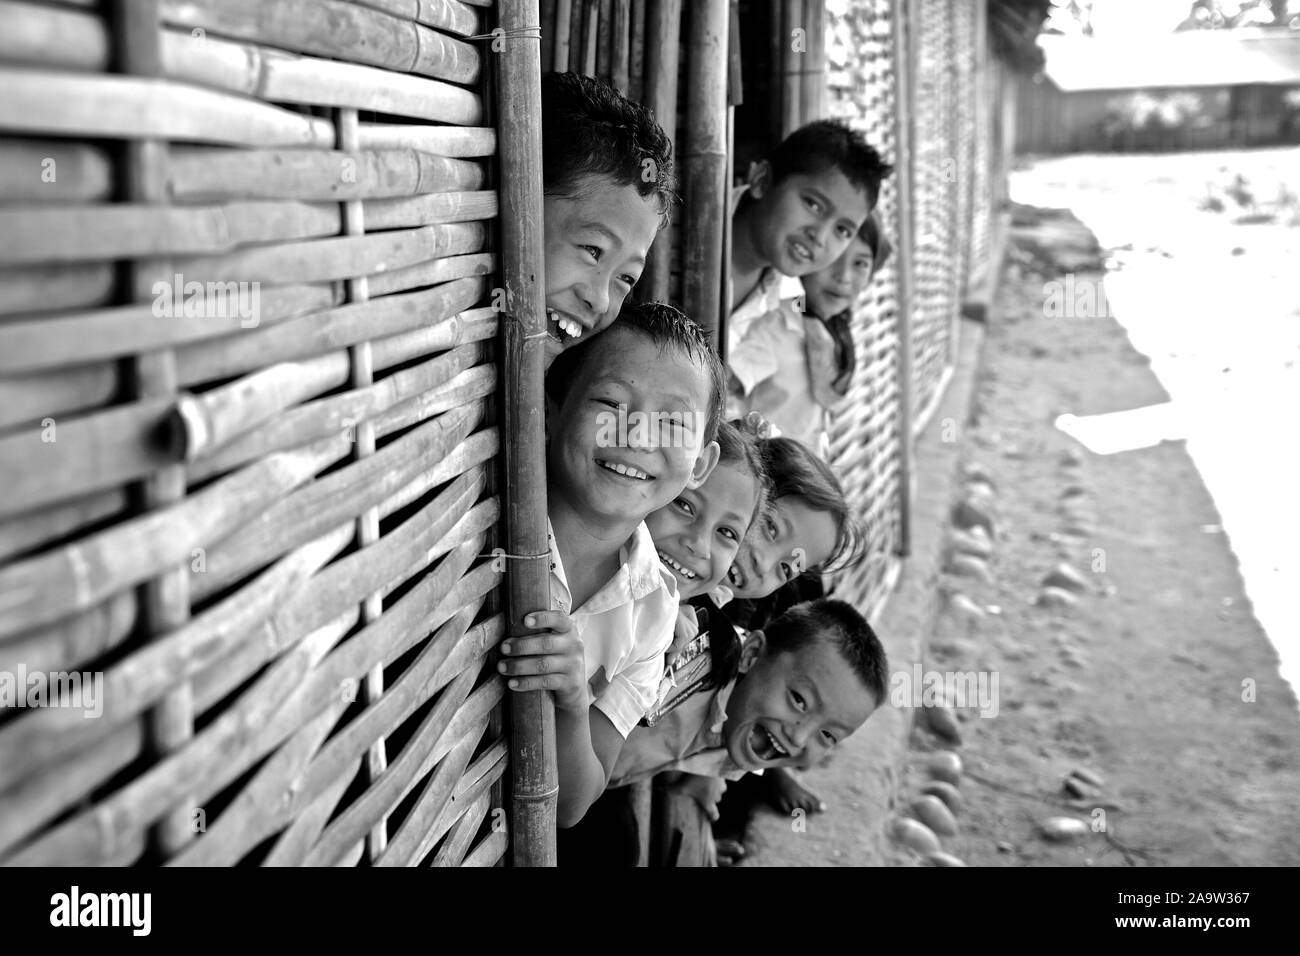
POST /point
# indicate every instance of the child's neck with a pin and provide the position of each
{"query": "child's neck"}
(747, 263)
(589, 548)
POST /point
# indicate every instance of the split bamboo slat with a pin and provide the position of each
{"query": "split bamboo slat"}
(248, 426)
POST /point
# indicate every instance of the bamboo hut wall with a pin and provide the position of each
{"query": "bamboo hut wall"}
(263, 522)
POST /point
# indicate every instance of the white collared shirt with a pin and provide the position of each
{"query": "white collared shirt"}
(625, 627)
(688, 738)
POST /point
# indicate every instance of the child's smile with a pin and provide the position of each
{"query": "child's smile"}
(596, 244)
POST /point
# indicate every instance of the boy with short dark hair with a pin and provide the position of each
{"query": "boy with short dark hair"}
(631, 417)
(802, 207)
(607, 175)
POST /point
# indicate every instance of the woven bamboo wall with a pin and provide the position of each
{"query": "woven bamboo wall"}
(865, 447)
(264, 528)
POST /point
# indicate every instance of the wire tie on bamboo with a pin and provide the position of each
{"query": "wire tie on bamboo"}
(532, 33)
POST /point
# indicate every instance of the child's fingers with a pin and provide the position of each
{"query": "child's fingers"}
(549, 620)
(538, 644)
(537, 682)
(535, 664)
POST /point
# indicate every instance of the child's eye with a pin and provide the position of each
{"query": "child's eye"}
(685, 506)
(846, 232)
(629, 281)
(730, 533)
(607, 401)
(769, 526)
(787, 572)
(812, 204)
(828, 738)
(799, 703)
(593, 251)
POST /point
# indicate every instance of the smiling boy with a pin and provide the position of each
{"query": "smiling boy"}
(806, 683)
(608, 183)
(802, 207)
(613, 603)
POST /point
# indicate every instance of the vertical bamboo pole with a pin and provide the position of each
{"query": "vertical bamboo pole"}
(663, 30)
(549, 22)
(704, 163)
(591, 37)
(535, 782)
(563, 34)
(619, 40)
(813, 75)
(166, 599)
(636, 53)
(776, 63)
(363, 436)
(793, 51)
(735, 96)
(577, 33)
(904, 24)
(604, 39)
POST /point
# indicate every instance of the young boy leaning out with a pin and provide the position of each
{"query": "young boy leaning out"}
(631, 418)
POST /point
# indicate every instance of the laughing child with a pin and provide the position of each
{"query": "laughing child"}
(608, 183)
(631, 416)
(802, 207)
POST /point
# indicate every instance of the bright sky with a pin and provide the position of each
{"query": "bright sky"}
(1111, 17)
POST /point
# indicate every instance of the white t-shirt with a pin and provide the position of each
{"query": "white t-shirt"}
(625, 628)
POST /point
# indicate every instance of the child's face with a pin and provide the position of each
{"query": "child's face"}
(806, 220)
(834, 289)
(780, 546)
(699, 533)
(618, 464)
(790, 709)
(596, 244)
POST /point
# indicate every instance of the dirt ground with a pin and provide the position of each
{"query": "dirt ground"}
(1157, 679)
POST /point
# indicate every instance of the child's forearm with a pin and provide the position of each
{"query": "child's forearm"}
(582, 776)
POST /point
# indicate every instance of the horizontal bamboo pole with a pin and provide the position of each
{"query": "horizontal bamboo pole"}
(76, 640)
(475, 450)
(489, 851)
(393, 786)
(29, 803)
(24, 532)
(37, 400)
(53, 171)
(433, 799)
(85, 454)
(267, 74)
(325, 502)
(51, 585)
(454, 141)
(463, 831)
(472, 786)
(470, 325)
(128, 107)
(336, 328)
(51, 288)
(338, 258)
(261, 807)
(286, 427)
(207, 174)
(455, 16)
(470, 386)
(50, 37)
(330, 28)
(432, 272)
(30, 234)
(431, 208)
(82, 337)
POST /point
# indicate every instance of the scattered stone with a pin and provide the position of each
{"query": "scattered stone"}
(941, 722)
(1073, 491)
(1064, 829)
(935, 814)
(1005, 847)
(966, 542)
(1088, 775)
(962, 605)
(1066, 577)
(1071, 458)
(916, 835)
(1078, 788)
(1055, 598)
(980, 489)
(976, 472)
(969, 513)
(969, 566)
(945, 765)
(946, 792)
(942, 859)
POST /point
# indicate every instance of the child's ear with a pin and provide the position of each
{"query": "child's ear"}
(704, 465)
(752, 650)
(760, 178)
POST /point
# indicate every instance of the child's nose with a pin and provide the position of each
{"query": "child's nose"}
(595, 295)
(698, 543)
